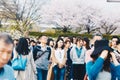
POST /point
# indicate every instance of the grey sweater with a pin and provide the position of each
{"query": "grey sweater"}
(42, 62)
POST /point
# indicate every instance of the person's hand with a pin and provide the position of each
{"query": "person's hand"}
(50, 61)
(35, 72)
(61, 65)
(104, 54)
(114, 59)
(112, 54)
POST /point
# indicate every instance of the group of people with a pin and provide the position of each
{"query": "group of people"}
(66, 58)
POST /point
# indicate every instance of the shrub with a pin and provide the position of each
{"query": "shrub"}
(54, 35)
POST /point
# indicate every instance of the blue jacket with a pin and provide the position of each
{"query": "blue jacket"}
(93, 68)
(7, 73)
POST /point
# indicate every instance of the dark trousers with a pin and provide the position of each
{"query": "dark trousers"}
(68, 72)
(59, 73)
(78, 72)
(42, 74)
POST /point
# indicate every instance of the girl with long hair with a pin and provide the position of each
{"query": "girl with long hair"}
(59, 60)
(30, 70)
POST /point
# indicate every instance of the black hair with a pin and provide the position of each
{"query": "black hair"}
(7, 38)
(78, 39)
(22, 47)
(115, 37)
(48, 41)
(60, 36)
(106, 64)
(38, 39)
(97, 35)
(32, 41)
(28, 39)
(38, 42)
(56, 45)
(101, 45)
(41, 36)
(118, 42)
(15, 40)
(71, 38)
(87, 42)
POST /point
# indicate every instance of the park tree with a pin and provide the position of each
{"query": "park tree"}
(90, 18)
(108, 26)
(65, 17)
(21, 13)
(75, 16)
(64, 29)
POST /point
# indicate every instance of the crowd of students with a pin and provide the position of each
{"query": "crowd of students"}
(65, 58)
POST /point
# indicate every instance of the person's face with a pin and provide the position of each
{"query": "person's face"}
(5, 52)
(51, 43)
(67, 44)
(43, 39)
(15, 42)
(60, 43)
(84, 43)
(80, 43)
(32, 44)
(114, 40)
(74, 40)
(118, 46)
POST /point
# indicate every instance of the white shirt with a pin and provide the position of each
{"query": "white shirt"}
(59, 55)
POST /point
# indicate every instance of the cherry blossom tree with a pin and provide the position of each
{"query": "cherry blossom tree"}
(21, 13)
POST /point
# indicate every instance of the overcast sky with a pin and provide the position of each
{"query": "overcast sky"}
(109, 8)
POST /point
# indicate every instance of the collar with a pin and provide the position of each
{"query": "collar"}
(1, 70)
(42, 45)
(79, 47)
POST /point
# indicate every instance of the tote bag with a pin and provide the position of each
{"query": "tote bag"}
(50, 72)
(19, 63)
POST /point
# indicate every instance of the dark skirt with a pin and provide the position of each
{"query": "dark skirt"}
(78, 71)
